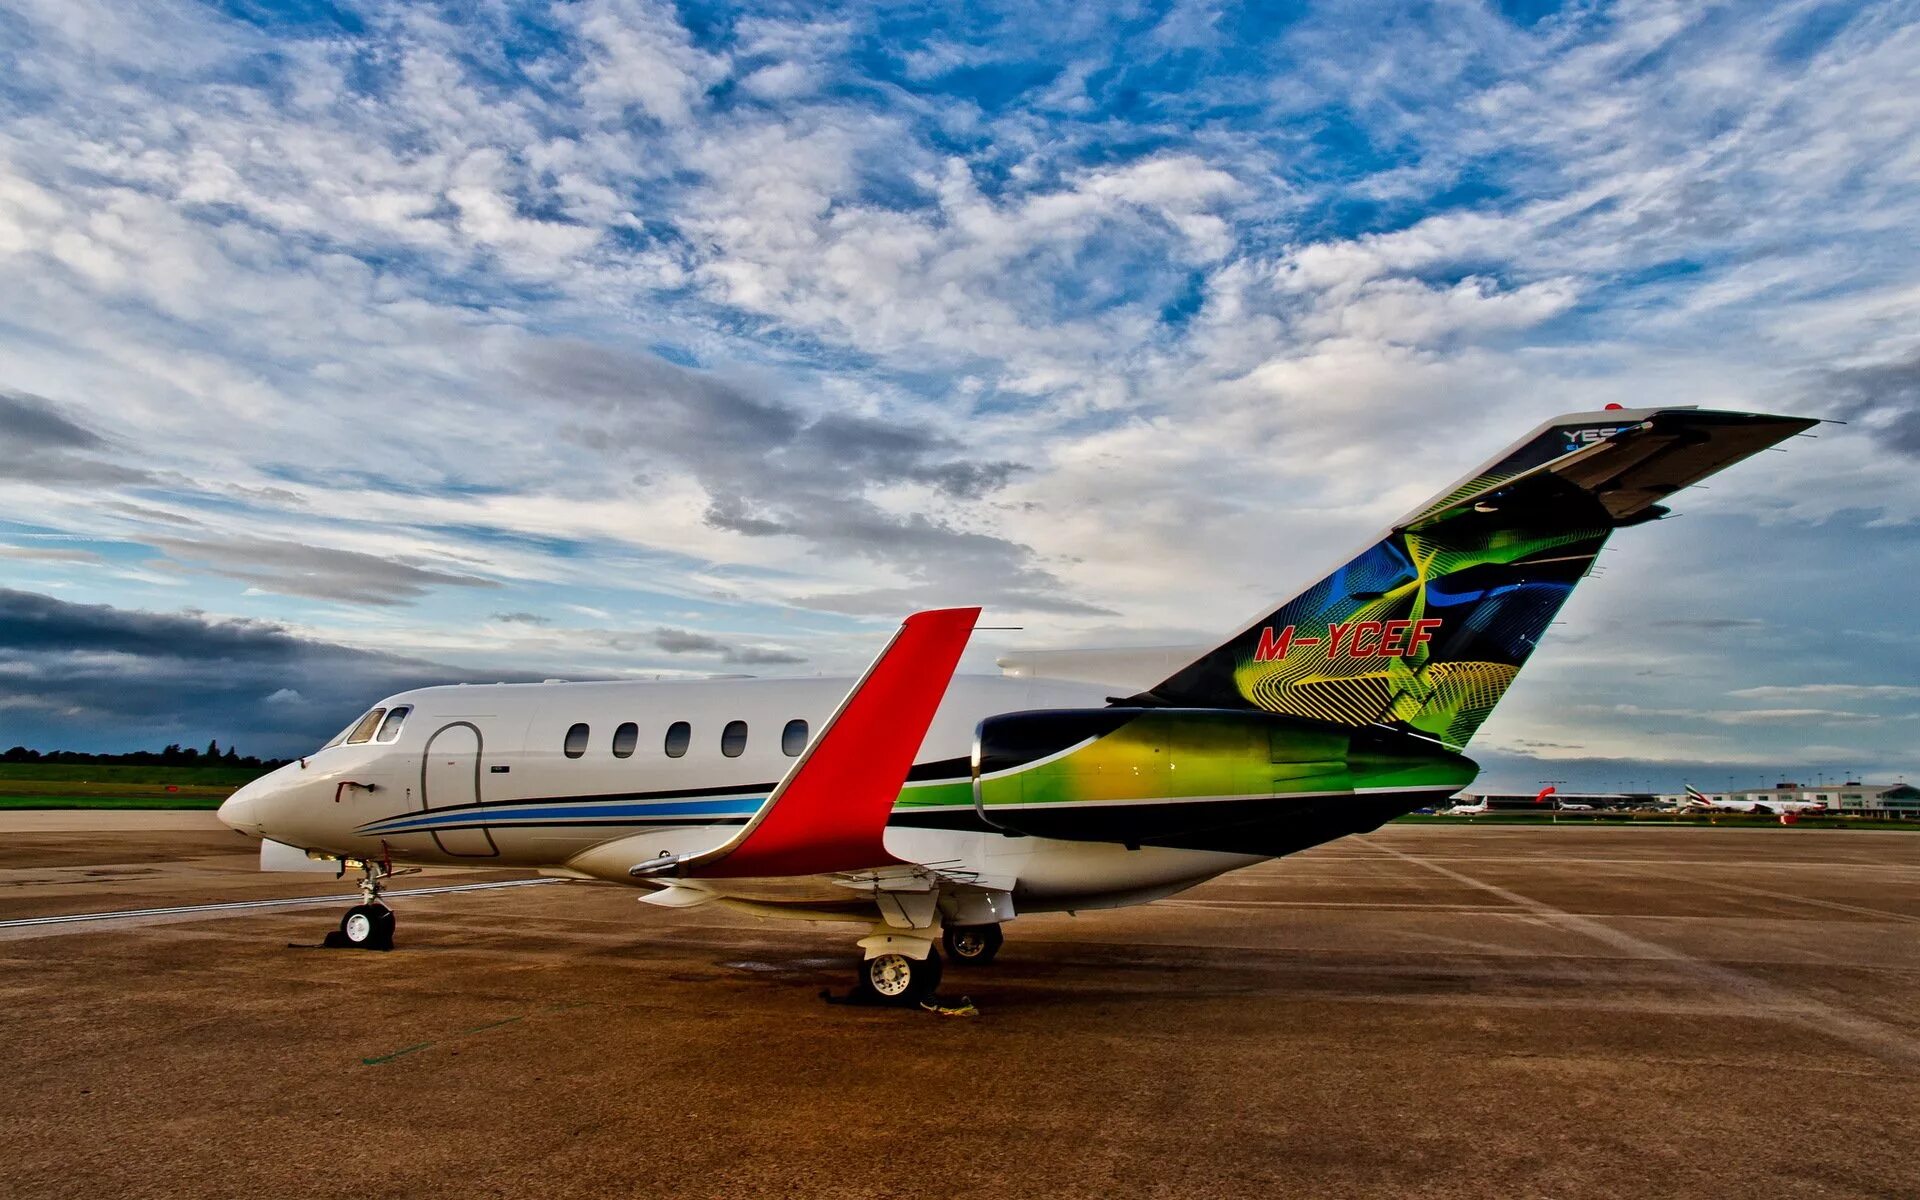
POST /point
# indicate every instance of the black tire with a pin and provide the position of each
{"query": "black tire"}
(973, 945)
(368, 927)
(898, 980)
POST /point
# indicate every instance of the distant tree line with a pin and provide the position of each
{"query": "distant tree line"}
(173, 756)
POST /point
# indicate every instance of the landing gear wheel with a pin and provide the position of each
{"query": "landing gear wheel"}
(898, 980)
(974, 945)
(368, 927)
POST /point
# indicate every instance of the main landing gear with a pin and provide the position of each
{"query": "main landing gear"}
(973, 945)
(899, 980)
(368, 925)
(903, 963)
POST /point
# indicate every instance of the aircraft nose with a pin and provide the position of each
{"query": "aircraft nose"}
(241, 810)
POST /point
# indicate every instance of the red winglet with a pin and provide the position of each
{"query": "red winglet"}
(830, 812)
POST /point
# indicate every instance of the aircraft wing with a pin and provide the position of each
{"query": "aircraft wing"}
(830, 812)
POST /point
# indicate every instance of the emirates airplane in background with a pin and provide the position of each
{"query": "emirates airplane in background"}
(930, 809)
(1698, 801)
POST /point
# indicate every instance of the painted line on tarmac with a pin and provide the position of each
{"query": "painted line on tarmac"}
(378, 1060)
(134, 914)
(1882, 1040)
(1765, 893)
(1331, 904)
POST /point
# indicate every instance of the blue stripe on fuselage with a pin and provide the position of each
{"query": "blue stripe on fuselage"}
(510, 815)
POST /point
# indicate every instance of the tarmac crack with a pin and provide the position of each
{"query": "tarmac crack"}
(1872, 1036)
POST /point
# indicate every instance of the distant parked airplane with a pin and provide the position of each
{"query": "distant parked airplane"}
(1465, 810)
(930, 810)
(1700, 802)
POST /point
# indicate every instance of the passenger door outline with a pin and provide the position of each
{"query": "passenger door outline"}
(461, 843)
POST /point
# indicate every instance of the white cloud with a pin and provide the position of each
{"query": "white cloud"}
(642, 58)
(781, 81)
(1828, 691)
(1749, 716)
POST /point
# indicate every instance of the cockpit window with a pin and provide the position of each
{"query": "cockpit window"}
(365, 728)
(390, 728)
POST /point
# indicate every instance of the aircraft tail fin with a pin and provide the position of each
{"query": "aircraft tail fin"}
(1425, 628)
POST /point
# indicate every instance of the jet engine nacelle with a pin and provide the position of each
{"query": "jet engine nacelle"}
(1203, 779)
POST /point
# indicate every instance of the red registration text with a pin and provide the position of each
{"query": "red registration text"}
(1353, 639)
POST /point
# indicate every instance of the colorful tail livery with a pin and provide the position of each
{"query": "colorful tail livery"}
(1425, 629)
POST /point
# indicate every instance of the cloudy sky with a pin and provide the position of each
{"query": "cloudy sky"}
(349, 346)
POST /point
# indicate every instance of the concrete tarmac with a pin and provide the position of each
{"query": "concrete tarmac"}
(1423, 1011)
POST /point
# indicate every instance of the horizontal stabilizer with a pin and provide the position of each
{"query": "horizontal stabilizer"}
(1628, 471)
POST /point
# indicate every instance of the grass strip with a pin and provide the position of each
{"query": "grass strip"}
(155, 803)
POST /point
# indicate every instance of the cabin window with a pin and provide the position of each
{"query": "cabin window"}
(679, 735)
(576, 743)
(625, 739)
(793, 739)
(390, 728)
(365, 728)
(733, 739)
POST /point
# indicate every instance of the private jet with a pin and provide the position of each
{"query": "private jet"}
(930, 810)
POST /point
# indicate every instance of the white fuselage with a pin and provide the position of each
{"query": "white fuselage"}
(1755, 806)
(484, 776)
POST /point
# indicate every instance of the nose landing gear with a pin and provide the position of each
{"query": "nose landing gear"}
(368, 925)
